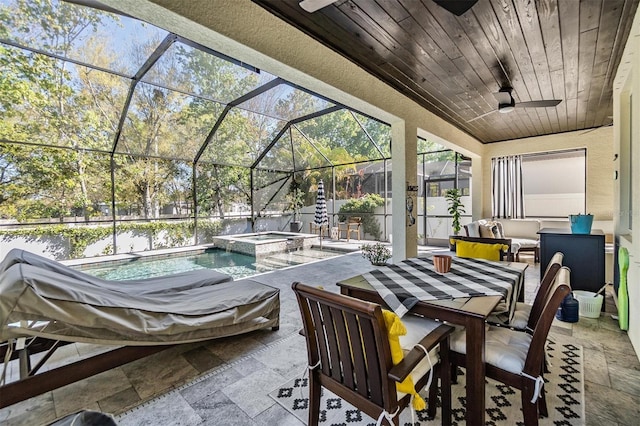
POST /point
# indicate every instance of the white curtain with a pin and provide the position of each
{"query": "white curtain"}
(507, 198)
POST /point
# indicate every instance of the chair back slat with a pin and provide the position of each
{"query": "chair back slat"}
(561, 287)
(543, 290)
(358, 357)
(346, 360)
(318, 329)
(371, 348)
(332, 341)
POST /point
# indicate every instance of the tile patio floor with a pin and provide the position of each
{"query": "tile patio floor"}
(227, 381)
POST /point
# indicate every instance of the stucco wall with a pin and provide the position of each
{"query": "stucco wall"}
(600, 166)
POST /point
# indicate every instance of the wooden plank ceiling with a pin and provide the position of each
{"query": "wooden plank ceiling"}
(453, 65)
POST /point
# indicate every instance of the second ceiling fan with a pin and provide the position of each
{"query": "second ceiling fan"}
(506, 103)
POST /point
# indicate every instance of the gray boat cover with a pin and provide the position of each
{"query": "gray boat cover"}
(41, 301)
(179, 281)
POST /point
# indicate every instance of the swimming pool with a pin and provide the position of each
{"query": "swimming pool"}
(237, 265)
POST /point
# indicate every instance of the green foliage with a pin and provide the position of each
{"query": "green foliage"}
(79, 238)
(456, 208)
(207, 229)
(174, 234)
(363, 207)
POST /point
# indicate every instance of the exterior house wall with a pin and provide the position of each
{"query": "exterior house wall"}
(626, 104)
(599, 173)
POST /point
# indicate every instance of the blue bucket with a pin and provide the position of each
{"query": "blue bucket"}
(581, 223)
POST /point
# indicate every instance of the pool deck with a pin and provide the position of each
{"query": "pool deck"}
(207, 382)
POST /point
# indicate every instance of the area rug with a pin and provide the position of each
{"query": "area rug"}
(564, 385)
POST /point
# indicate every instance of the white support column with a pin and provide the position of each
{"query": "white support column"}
(404, 151)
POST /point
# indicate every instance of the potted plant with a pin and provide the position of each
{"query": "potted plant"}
(455, 209)
(377, 253)
(295, 199)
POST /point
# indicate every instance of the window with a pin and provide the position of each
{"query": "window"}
(554, 183)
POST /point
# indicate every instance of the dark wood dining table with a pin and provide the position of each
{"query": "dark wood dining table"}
(470, 312)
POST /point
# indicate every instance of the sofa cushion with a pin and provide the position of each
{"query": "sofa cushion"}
(524, 243)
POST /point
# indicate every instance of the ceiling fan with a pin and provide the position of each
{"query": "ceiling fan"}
(506, 103)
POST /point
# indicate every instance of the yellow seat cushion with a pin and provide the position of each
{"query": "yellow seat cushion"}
(479, 250)
(395, 329)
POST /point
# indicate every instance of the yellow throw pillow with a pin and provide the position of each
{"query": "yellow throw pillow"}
(395, 329)
(479, 250)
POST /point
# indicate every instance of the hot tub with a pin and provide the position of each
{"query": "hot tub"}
(264, 243)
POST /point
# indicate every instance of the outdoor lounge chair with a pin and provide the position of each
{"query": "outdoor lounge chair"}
(46, 308)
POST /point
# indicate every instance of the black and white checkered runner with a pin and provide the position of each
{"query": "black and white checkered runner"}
(404, 284)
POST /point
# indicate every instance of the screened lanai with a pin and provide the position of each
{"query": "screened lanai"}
(112, 122)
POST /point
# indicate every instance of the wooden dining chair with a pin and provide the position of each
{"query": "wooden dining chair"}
(526, 315)
(349, 354)
(517, 359)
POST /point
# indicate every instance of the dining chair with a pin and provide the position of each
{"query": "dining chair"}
(350, 354)
(517, 359)
(526, 315)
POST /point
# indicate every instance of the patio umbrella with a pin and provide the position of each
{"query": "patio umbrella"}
(321, 218)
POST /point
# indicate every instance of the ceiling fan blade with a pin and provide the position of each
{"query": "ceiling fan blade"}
(313, 5)
(538, 104)
(457, 7)
(481, 115)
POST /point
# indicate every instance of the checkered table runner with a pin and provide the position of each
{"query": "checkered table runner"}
(404, 284)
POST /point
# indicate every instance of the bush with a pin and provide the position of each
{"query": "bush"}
(363, 207)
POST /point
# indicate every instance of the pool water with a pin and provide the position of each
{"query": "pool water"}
(235, 264)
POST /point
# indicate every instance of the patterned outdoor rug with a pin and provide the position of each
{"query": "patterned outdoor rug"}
(564, 385)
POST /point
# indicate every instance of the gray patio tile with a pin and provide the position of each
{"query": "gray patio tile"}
(235, 347)
(251, 392)
(120, 401)
(209, 384)
(218, 409)
(613, 405)
(83, 394)
(168, 410)
(37, 410)
(277, 415)
(158, 373)
(595, 367)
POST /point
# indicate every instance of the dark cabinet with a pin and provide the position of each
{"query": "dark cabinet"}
(583, 253)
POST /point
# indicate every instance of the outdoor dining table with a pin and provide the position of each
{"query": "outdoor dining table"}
(470, 311)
